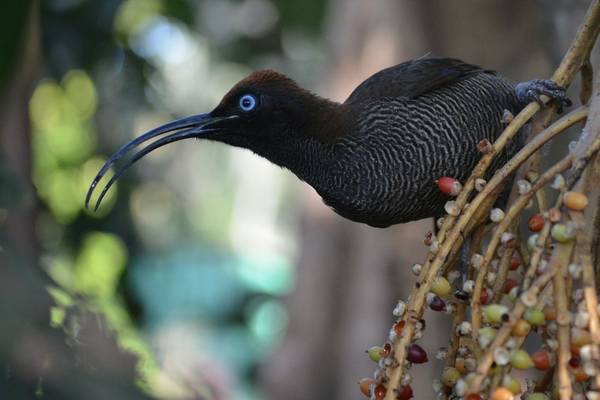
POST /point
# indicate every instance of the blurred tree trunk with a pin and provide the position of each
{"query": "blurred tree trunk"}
(562, 19)
(15, 147)
(350, 275)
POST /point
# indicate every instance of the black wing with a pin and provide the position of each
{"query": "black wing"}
(413, 78)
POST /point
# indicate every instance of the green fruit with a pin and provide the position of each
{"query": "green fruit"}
(520, 360)
(537, 396)
(486, 335)
(375, 353)
(535, 317)
(495, 313)
(441, 286)
(562, 233)
(512, 384)
(450, 376)
(532, 242)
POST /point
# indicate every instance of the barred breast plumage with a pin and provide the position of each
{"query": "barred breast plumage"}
(389, 163)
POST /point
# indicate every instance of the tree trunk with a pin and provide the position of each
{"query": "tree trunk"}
(15, 146)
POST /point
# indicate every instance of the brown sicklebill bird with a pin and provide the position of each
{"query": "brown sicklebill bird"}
(375, 157)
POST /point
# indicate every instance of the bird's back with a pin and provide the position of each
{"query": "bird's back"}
(413, 78)
(407, 138)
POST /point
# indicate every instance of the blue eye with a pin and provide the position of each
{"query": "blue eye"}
(247, 102)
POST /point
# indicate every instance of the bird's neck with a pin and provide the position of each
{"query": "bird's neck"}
(308, 149)
(308, 158)
(327, 121)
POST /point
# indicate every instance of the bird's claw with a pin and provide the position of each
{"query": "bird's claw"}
(530, 91)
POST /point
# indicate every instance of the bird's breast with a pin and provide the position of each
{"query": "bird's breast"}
(385, 171)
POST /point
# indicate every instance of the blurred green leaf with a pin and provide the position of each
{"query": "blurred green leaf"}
(60, 296)
(80, 91)
(133, 14)
(57, 316)
(100, 264)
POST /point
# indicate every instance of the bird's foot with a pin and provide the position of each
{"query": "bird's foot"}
(532, 90)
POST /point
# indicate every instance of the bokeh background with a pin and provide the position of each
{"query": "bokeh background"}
(208, 273)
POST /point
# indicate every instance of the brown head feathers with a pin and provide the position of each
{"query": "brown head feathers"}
(315, 116)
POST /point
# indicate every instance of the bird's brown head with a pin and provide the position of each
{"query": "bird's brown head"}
(266, 112)
(262, 107)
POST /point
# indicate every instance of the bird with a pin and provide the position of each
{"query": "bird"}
(375, 157)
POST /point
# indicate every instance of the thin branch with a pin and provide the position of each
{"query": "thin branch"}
(563, 319)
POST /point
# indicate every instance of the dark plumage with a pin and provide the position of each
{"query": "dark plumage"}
(374, 158)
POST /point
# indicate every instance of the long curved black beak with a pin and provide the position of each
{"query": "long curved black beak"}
(184, 128)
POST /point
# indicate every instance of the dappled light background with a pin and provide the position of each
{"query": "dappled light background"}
(207, 273)
(191, 252)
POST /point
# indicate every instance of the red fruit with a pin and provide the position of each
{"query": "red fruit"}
(428, 239)
(473, 396)
(541, 359)
(484, 299)
(387, 349)
(416, 354)
(449, 185)
(437, 304)
(554, 214)
(535, 223)
(574, 350)
(580, 375)
(365, 386)
(549, 313)
(574, 361)
(485, 146)
(404, 393)
(515, 262)
(398, 327)
(509, 284)
(380, 391)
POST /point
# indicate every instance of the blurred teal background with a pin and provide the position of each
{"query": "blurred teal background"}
(208, 273)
